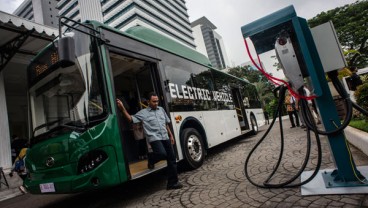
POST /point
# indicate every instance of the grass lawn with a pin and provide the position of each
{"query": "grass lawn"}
(359, 124)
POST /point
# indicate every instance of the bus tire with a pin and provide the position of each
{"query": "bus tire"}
(193, 148)
(253, 122)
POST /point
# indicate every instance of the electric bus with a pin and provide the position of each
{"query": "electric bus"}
(80, 141)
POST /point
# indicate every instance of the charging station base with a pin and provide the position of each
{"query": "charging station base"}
(315, 186)
(330, 181)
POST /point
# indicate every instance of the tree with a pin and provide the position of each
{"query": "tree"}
(238, 71)
(351, 24)
(248, 73)
(264, 92)
(263, 86)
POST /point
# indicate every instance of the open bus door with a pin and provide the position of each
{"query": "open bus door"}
(134, 79)
(240, 110)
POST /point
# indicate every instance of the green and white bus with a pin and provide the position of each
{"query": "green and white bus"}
(80, 140)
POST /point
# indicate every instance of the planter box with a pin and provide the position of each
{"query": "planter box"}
(358, 138)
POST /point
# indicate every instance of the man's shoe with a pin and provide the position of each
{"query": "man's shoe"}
(302, 126)
(176, 185)
(292, 127)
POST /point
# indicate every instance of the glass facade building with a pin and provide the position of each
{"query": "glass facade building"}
(168, 17)
(209, 42)
(39, 11)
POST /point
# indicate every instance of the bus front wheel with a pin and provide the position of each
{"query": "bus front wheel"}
(253, 122)
(193, 148)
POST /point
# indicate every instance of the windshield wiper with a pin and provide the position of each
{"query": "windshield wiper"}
(45, 125)
(69, 126)
(74, 127)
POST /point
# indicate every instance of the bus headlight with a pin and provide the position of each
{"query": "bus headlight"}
(91, 160)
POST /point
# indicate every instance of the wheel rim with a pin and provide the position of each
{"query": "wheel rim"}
(194, 148)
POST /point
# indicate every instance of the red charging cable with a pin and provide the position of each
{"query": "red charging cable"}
(275, 80)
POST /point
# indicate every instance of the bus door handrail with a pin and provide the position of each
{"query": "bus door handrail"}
(143, 105)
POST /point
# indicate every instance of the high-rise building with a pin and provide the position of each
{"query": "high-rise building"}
(209, 42)
(80, 10)
(40, 11)
(168, 17)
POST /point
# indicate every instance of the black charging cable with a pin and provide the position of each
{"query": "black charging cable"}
(333, 75)
(349, 113)
(286, 184)
(311, 126)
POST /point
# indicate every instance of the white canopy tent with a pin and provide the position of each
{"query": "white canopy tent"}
(20, 41)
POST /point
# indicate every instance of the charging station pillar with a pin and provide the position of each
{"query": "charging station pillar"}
(264, 33)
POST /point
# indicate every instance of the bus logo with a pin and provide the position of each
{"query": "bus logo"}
(50, 162)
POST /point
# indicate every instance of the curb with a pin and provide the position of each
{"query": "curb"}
(358, 138)
(13, 192)
(14, 182)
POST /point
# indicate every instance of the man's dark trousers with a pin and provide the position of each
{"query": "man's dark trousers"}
(162, 149)
(291, 113)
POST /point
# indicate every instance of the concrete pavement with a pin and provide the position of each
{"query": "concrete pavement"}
(220, 182)
(13, 189)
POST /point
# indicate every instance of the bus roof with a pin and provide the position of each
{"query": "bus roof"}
(157, 40)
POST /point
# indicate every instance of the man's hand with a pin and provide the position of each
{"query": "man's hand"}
(170, 134)
(172, 139)
(120, 105)
(123, 110)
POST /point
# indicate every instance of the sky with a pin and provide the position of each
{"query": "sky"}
(230, 15)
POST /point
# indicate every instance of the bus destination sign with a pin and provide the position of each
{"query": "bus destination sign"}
(43, 63)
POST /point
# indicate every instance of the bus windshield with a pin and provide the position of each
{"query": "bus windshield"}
(68, 98)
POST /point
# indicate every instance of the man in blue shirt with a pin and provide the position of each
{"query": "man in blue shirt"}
(157, 131)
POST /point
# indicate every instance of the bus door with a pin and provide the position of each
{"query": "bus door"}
(133, 81)
(239, 107)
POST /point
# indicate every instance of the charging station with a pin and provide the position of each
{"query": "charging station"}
(306, 55)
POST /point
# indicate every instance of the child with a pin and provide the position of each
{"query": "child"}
(18, 165)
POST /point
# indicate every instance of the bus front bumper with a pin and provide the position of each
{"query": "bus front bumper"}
(43, 182)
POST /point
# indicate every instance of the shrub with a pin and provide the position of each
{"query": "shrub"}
(361, 95)
(364, 78)
(359, 124)
(345, 72)
(271, 107)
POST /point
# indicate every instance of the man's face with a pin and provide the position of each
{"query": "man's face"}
(153, 102)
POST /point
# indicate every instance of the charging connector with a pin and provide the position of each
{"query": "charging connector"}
(287, 58)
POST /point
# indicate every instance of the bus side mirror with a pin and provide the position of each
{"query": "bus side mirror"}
(66, 50)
